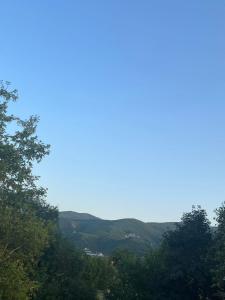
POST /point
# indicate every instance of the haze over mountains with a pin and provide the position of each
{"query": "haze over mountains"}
(106, 236)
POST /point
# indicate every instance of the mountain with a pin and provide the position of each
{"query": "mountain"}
(72, 215)
(98, 235)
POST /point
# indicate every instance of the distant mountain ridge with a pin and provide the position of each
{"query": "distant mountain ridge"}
(77, 216)
(106, 236)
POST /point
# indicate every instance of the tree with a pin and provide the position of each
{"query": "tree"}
(153, 276)
(125, 283)
(26, 220)
(218, 252)
(100, 273)
(63, 274)
(186, 252)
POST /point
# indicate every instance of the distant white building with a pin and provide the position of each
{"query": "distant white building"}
(90, 253)
(131, 236)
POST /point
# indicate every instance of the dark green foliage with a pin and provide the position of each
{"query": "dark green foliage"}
(127, 272)
(152, 279)
(187, 257)
(218, 269)
(63, 274)
(179, 269)
(24, 223)
(100, 273)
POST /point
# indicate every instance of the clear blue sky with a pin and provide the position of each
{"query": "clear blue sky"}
(131, 96)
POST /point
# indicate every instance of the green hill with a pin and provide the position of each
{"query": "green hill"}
(87, 231)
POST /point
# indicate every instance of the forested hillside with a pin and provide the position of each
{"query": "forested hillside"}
(106, 236)
(38, 263)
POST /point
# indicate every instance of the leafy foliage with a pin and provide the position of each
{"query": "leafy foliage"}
(25, 225)
(63, 274)
(186, 257)
(218, 269)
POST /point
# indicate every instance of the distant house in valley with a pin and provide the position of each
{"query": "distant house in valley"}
(131, 236)
(90, 253)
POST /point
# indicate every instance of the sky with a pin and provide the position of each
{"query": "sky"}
(131, 97)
